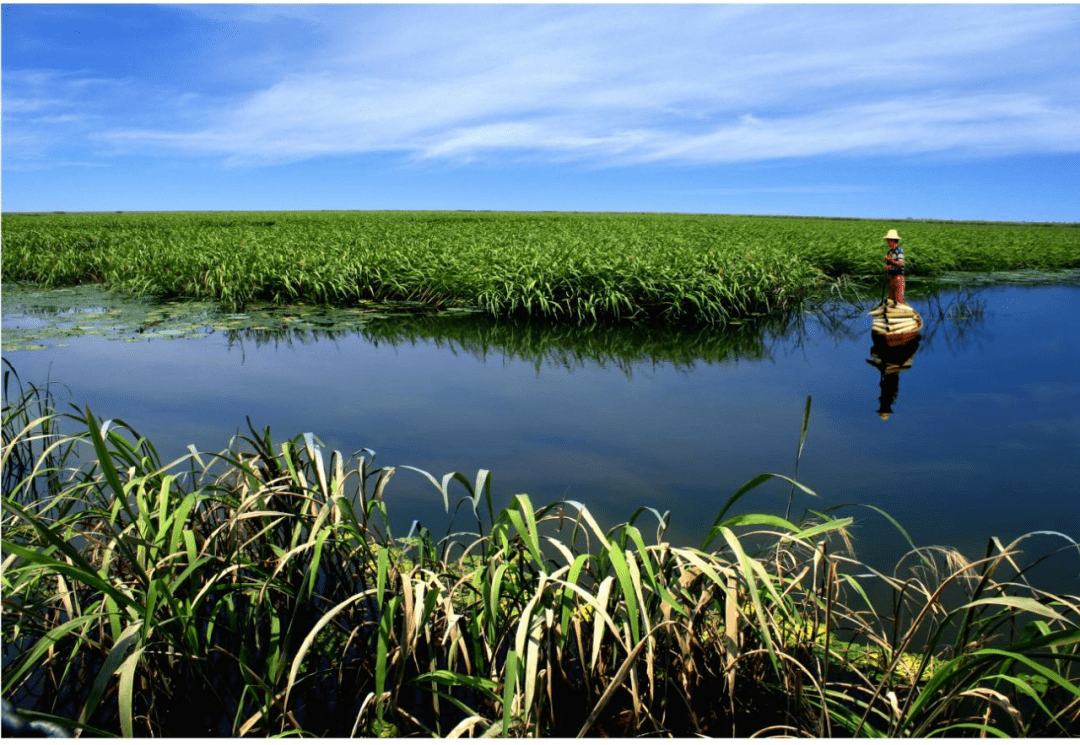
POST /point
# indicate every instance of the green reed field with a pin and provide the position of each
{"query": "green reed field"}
(655, 268)
(260, 592)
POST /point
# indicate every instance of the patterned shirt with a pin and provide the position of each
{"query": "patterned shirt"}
(896, 254)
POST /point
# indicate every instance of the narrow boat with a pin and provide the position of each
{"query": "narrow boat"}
(895, 323)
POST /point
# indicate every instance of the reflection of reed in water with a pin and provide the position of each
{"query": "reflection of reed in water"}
(619, 346)
(957, 320)
(952, 315)
(285, 337)
(891, 361)
(567, 347)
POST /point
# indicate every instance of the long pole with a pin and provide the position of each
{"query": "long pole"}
(884, 296)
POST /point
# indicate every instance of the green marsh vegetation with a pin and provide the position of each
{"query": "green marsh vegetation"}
(259, 591)
(577, 268)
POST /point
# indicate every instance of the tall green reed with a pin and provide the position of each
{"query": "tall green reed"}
(261, 591)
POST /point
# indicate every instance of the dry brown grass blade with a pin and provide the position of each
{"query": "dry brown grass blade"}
(310, 638)
(785, 731)
(731, 633)
(466, 726)
(794, 662)
(995, 699)
(617, 681)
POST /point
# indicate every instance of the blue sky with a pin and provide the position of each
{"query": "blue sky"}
(887, 111)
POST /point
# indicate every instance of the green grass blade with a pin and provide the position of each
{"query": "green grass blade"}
(740, 493)
(116, 656)
(746, 565)
(126, 693)
(510, 682)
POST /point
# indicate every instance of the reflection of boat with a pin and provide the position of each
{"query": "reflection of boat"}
(895, 323)
(890, 358)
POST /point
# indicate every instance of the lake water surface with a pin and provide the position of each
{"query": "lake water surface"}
(982, 440)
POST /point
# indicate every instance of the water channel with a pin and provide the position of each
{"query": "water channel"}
(981, 437)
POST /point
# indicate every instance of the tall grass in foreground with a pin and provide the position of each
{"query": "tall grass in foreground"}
(260, 591)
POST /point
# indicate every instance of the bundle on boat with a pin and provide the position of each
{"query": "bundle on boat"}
(896, 323)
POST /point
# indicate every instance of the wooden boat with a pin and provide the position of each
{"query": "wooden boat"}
(895, 324)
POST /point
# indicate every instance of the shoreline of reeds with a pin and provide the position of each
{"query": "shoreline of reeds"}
(565, 268)
(259, 591)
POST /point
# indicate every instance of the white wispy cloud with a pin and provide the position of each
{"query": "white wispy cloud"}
(981, 124)
(604, 84)
(811, 189)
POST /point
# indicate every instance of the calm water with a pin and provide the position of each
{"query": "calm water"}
(983, 438)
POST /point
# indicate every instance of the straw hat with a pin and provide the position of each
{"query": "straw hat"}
(892, 235)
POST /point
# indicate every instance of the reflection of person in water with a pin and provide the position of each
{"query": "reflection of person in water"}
(891, 361)
(890, 387)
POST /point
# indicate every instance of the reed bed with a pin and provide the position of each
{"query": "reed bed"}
(574, 268)
(259, 591)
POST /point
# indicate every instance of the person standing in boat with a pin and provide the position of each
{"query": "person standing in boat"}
(894, 264)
